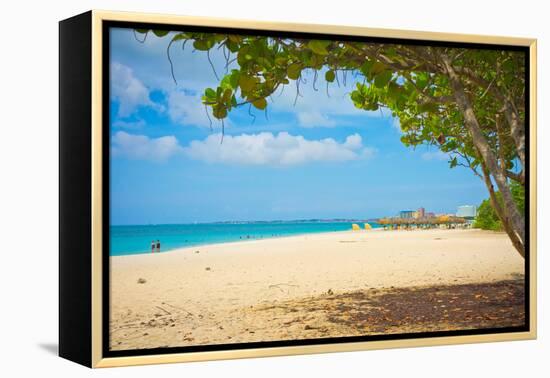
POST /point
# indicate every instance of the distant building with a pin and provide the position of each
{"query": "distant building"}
(430, 215)
(420, 213)
(406, 214)
(466, 211)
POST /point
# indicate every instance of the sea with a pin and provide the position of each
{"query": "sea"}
(136, 239)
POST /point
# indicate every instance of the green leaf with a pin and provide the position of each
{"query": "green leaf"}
(210, 94)
(202, 45)
(243, 56)
(377, 67)
(281, 61)
(226, 98)
(330, 76)
(373, 107)
(219, 111)
(260, 103)
(160, 33)
(142, 31)
(357, 98)
(234, 38)
(247, 83)
(226, 82)
(232, 46)
(294, 70)
(422, 80)
(394, 90)
(428, 107)
(179, 36)
(318, 47)
(382, 79)
(316, 61)
(365, 67)
(453, 162)
(234, 78)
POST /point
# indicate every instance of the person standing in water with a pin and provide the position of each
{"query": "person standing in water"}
(158, 245)
(153, 246)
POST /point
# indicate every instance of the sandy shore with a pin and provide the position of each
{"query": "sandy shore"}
(218, 293)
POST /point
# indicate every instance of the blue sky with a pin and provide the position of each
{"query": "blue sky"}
(321, 158)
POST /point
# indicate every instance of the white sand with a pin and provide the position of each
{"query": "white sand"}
(188, 296)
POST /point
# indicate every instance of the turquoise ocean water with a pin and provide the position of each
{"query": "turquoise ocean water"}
(128, 240)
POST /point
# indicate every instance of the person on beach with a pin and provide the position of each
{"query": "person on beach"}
(153, 246)
(158, 245)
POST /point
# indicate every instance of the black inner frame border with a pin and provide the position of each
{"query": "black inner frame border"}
(106, 352)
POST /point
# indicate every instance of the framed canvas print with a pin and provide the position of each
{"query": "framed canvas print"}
(235, 189)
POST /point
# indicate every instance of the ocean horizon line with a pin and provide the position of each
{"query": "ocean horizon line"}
(312, 220)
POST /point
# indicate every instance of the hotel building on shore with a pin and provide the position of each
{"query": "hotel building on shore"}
(407, 214)
(411, 214)
(467, 212)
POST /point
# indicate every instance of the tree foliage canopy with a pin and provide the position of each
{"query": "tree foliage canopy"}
(487, 218)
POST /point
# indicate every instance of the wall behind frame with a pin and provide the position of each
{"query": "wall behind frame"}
(29, 188)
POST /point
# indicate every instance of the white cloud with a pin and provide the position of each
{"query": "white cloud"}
(194, 74)
(354, 142)
(192, 69)
(131, 93)
(129, 124)
(282, 149)
(128, 90)
(141, 147)
(314, 119)
(435, 155)
(316, 108)
(187, 109)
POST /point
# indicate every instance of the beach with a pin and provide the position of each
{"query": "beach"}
(330, 284)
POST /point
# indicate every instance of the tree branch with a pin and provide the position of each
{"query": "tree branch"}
(487, 156)
(519, 177)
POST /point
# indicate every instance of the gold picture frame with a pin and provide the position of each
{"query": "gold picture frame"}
(90, 267)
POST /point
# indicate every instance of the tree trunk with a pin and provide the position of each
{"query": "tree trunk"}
(517, 131)
(517, 243)
(510, 210)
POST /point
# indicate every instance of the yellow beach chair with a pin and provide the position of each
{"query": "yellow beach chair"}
(355, 227)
